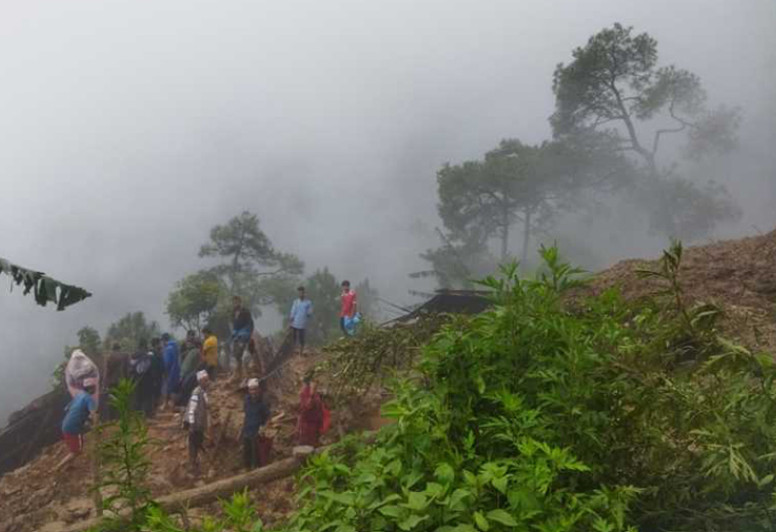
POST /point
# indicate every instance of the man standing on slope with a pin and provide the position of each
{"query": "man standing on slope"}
(301, 310)
(242, 330)
(195, 420)
(349, 305)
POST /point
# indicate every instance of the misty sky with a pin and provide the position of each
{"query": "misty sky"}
(129, 128)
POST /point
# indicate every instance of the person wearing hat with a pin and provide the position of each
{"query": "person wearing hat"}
(256, 415)
(81, 409)
(195, 420)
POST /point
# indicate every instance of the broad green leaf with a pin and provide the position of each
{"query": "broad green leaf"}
(417, 501)
(502, 516)
(501, 484)
(481, 522)
(391, 511)
(412, 521)
(457, 498)
(444, 473)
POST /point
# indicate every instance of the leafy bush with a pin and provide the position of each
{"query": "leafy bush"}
(541, 416)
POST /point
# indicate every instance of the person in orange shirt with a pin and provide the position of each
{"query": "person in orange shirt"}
(210, 352)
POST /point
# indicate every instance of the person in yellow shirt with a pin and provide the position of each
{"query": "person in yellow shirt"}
(210, 352)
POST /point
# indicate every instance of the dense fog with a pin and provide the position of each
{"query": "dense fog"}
(130, 129)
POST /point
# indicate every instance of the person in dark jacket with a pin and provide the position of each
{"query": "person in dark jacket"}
(242, 330)
(256, 415)
(140, 371)
(157, 370)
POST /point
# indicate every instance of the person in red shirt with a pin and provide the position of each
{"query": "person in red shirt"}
(313, 414)
(349, 304)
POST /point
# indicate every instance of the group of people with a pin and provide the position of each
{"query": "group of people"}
(166, 374)
(314, 419)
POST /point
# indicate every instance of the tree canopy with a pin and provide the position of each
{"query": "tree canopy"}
(129, 330)
(193, 302)
(251, 267)
(615, 87)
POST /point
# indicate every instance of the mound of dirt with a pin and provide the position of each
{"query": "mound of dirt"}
(739, 276)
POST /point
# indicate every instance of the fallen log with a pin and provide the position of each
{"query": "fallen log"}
(219, 489)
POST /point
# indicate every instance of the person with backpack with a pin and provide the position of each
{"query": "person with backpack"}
(78, 412)
(257, 414)
(140, 371)
(314, 417)
(195, 420)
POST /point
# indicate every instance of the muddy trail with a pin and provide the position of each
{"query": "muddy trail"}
(35, 497)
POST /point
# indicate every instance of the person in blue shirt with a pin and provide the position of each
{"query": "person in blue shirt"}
(301, 310)
(172, 369)
(81, 409)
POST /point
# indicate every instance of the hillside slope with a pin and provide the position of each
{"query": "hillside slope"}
(737, 275)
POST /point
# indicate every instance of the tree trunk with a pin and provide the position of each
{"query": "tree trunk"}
(526, 236)
(220, 489)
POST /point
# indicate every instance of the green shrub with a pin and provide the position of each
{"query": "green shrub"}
(542, 416)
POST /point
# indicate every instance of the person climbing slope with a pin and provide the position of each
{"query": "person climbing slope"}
(195, 420)
(80, 410)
